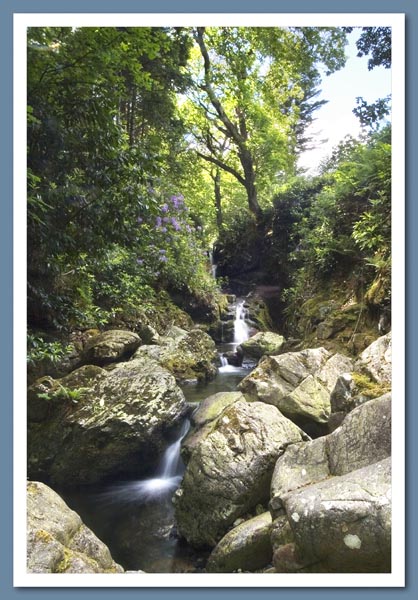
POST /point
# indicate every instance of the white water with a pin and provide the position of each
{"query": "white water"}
(224, 361)
(167, 478)
(241, 333)
(241, 329)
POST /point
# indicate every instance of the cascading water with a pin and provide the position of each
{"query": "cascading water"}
(241, 333)
(241, 329)
(167, 478)
(213, 265)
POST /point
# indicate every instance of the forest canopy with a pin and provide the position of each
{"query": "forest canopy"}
(146, 145)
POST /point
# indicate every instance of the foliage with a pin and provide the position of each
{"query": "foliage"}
(41, 350)
(344, 221)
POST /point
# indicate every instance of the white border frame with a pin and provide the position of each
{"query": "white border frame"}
(394, 579)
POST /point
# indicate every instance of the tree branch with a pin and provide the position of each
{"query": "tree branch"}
(232, 130)
(223, 166)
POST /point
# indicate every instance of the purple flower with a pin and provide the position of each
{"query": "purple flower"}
(175, 224)
(140, 261)
(163, 258)
(164, 229)
(164, 208)
(162, 251)
(158, 221)
(166, 219)
(139, 220)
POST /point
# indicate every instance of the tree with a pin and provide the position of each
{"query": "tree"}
(257, 87)
(376, 41)
(102, 131)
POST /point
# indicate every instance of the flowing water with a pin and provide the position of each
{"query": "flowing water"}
(136, 518)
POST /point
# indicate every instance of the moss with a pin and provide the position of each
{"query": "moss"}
(65, 562)
(43, 536)
(369, 388)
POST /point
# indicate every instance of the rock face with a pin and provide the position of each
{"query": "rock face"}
(230, 470)
(110, 346)
(188, 355)
(246, 547)
(330, 498)
(376, 360)
(57, 539)
(340, 525)
(95, 422)
(298, 383)
(263, 343)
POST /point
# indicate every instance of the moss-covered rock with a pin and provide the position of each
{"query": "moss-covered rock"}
(188, 355)
(110, 346)
(246, 547)
(263, 343)
(116, 424)
(229, 472)
(57, 539)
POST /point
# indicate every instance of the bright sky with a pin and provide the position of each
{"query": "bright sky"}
(335, 120)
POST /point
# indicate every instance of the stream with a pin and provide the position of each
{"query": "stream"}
(135, 519)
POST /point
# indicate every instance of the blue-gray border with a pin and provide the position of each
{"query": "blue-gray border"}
(7, 9)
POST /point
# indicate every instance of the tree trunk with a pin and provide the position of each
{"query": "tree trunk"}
(250, 187)
(218, 198)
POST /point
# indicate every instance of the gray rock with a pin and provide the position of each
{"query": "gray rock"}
(263, 343)
(363, 438)
(276, 376)
(341, 525)
(57, 539)
(110, 346)
(102, 424)
(376, 360)
(246, 547)
(229, 472)
(332, 369)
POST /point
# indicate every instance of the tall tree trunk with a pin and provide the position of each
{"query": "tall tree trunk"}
(250, 187)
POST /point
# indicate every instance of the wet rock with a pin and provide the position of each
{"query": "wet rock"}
(57, 539)
(247, 547)
(229, 472)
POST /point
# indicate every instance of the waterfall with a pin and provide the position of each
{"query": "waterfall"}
(213, 266)
(241, 329)
(223, 360)
(167, 478)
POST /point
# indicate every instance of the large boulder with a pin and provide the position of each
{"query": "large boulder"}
(188, 355)
(363, 439)
(204, 417)
(263, 343)
(246, 547)
(57, 539)
(95, 423)
(342, 524)
(299, 384)
(376, 360)
(110, 346)
(229, 471)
